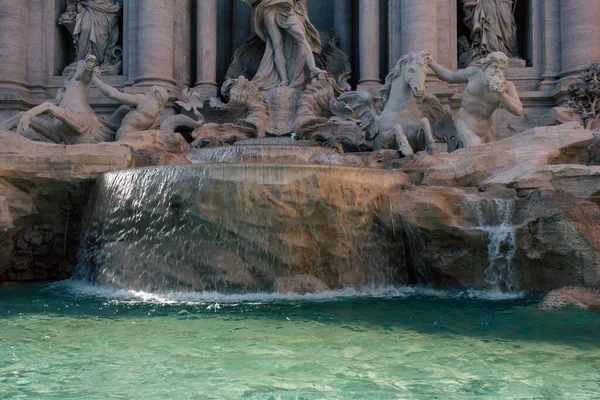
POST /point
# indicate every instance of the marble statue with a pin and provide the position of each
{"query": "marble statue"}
(189, 103)
(139, 112)
(290, 40)
(487, 90)
(248, 57)
(74, 121)
(493, 28)
(406, 120)
(94, 25)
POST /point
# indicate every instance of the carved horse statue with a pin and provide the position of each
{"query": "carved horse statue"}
(408, 112)
(73, 120)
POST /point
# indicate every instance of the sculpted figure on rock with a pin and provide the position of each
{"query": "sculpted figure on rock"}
(487, 90)
(290, 40)
(74, 121)
(139, 112)
(493, 28)
(406, 120)
(94, 25)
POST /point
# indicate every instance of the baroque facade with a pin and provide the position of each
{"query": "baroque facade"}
(178, 43)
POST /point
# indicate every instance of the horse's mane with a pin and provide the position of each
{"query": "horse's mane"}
(422, 57)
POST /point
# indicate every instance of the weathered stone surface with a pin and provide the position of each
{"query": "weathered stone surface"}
(558, 241)
(572, 296)
(158, 148)
(580, 181)
(44, 188)
(500, 162)
(594, 151)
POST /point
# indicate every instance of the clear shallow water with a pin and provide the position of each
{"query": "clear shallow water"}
(70, 340)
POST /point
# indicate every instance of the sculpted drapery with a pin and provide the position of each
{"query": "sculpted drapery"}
(299, 39)
(493, 27)
(96, 29)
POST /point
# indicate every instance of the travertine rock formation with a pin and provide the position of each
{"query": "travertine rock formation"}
(572, 296)
(44, 189)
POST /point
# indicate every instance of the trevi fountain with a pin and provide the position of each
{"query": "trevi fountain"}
(300, 199)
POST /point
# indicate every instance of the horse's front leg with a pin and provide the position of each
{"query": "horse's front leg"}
(78, 122)
(27, 116)
(402, 141)
(427, 132)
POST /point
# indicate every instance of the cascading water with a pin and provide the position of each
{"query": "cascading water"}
(502, 248)
(495, 216)
(247, 228)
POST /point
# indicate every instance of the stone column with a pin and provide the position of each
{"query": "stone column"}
(368, 12)
(580, 33)
(156, 20)
(206, 49)
(36, 47)
(342, 24)
(14, 26)
(394, 32)
(420, 26)
(551, 38)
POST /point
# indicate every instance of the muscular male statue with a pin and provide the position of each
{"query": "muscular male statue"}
(139, 112)
(487, 89)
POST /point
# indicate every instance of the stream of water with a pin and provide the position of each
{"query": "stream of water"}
(72, 340)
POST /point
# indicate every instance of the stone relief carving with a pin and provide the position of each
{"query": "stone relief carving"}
(408, 112)
(72, 119)
(94, 25)
(290, 40)
(493, 28)
(487, 90)
(139, 112)
(189, 104)
(245, 115)
(585, 96)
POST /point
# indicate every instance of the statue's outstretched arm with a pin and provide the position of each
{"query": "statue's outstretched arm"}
(461, 76)
(109, 91)
(510, 100)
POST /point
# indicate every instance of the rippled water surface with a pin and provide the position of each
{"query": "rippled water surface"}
(69, 341)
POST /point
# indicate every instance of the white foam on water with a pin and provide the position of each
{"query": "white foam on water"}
(130, 296)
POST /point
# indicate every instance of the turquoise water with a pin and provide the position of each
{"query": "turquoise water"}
(69, 340)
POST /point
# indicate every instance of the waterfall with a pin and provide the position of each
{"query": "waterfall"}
(502, 247)
(494, 216)
(241, 228)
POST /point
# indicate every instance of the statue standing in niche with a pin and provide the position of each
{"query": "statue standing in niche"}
(493, 28)
(291, 40)
(94, 25)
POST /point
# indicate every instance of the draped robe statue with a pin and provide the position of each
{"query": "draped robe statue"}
(291, 40)
(94, 25)
(493, 28)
